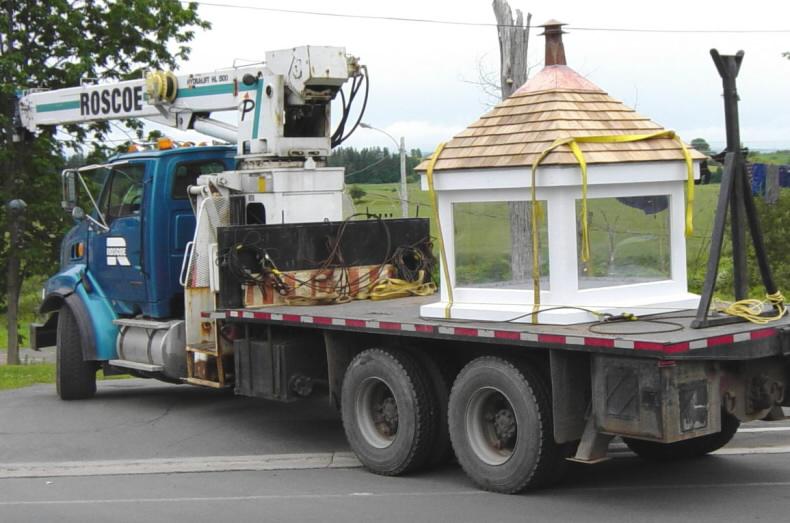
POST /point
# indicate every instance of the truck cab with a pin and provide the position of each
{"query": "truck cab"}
(124, 256)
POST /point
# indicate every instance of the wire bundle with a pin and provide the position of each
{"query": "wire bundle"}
(412, 263)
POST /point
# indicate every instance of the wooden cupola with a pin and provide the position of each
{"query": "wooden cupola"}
(625, 253)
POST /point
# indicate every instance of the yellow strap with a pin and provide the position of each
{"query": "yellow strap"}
(388, 288)
(573, 145)
(437, 222)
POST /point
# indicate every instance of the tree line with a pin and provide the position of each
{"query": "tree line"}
(374, 164)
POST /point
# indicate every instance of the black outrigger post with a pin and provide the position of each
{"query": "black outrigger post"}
(735, 194)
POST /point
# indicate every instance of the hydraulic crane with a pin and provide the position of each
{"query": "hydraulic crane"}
(139, 269)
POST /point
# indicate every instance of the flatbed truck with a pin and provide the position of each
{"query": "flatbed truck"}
(147, 286)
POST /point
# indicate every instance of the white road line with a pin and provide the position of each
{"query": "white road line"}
(326, 460)
(764, 429)
(180, 465)
(734, 451)
(262, 497)
(347, 495)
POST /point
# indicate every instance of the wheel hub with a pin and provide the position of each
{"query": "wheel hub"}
(386, 416)
(491, 424)
(504, 427)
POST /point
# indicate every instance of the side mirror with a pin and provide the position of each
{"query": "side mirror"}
(69, 182)
(77, 213)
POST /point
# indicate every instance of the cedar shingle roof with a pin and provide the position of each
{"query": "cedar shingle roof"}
(555, 103)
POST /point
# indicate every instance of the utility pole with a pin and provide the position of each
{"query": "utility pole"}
(513, 46)
(15, 210)
(401, 145)
(404, 188)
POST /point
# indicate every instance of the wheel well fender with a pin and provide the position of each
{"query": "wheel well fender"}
(83, 319)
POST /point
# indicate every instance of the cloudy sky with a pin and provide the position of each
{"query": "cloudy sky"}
(423, 75)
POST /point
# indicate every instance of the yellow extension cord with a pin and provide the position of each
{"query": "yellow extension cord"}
(751, 309)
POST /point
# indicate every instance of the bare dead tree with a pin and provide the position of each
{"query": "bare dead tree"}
(513, 46)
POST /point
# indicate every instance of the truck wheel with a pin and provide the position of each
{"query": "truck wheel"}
(75, 377)
(501, 426)
(690, 448)
(441, 450)
(388, 411)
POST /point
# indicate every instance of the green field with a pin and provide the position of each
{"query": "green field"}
(776, 157)
(383, 199)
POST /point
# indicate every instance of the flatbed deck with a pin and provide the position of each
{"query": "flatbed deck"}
(663, 336)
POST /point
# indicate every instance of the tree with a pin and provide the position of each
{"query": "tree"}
(356, 192)
(701, 145)
(57, 44)
(513, 46)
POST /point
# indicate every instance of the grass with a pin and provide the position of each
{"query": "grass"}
(18, 376)
(383, 199)
(776, 157)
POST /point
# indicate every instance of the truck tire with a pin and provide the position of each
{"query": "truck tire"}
(441, 449)
(688, 449)
(388, 411)
(501, 426)
(75, 378)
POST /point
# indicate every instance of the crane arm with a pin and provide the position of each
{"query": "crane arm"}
(282, 106)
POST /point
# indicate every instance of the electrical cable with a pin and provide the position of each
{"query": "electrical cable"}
(412, 263)
(477, 24)
(339, 136)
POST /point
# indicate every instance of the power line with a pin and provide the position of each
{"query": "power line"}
(479, 24)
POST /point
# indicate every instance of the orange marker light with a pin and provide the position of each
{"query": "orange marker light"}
(164, 143)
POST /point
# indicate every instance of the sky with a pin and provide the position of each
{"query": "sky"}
(424, 76)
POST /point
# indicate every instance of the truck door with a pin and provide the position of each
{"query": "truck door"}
(116, 257)
(182, 219)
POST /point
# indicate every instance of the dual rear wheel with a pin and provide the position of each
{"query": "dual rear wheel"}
(399, 418)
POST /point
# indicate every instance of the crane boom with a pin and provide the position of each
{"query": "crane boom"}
(282, 106)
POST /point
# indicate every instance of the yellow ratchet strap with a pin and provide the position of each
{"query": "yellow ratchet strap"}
(435, 204)
(573, 144)
(388, 288)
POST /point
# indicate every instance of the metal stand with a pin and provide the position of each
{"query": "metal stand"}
(735, 195)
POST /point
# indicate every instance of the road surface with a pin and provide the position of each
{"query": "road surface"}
(145, 451)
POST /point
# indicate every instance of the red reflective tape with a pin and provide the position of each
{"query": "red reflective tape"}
(205, 314)
(599, 342)
(676, 347)
(423, 328)
(464, 331)
(389, 325)
(262, 315)
(720, 340)
(355, 323)
(648, 345)
(763, 333)
(507, 335)
(292, 317)
(322, 320)
(551, 338)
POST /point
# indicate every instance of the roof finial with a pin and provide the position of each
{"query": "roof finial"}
(555, 51)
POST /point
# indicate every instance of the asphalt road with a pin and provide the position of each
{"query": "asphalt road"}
(118, 458)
